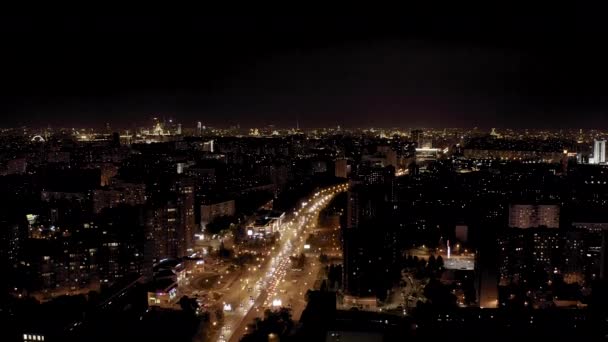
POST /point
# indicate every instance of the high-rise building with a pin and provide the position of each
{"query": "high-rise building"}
(369, 242)
(170, 223)
(548, 216)
(488, 288)
(531, 216)
(370, 256)
(376, 174)
(212, 210)
(186, 211)
(416, 137)
(599, 152)
(523, 253)
(208, 146)
(341, 170)
(199, 128)
(121, 250)
(117, 194)
(604, 256)
(352, 209)
(162, 226)
(16, 166)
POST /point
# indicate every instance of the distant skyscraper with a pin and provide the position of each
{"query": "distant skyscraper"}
(199, 128)
(178, 131)
(599, 151)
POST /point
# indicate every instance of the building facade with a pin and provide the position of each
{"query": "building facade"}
(530, 216)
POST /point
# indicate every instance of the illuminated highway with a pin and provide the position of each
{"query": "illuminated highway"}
(259, 289)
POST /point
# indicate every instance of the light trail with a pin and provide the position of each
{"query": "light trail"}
(290, 243)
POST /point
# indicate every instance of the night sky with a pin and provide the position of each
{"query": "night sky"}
(415, 69)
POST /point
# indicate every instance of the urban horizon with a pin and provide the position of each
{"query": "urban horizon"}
(337, 178)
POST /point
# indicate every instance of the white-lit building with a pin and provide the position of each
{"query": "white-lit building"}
(599, 152)
(33, 337)
(427, 153)
(266, 224)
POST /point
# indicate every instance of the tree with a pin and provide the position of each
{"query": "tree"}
(470, 295)
(439, 295)
(307, 295)
(299, 261)
(219, 314)
(243, 259)
(224, 252)
(323, 258)
(324, 285)
(302, 259)
(409, 261)
(276, 322)
(188, 305)
(432, 263)
(439, 262)
(220, 223)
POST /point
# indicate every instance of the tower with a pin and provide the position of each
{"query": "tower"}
(599, 151)
(416, 137)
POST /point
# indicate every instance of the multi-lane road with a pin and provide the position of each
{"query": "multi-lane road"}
(265, 287)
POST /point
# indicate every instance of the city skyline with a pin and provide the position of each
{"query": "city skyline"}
(414, 176)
